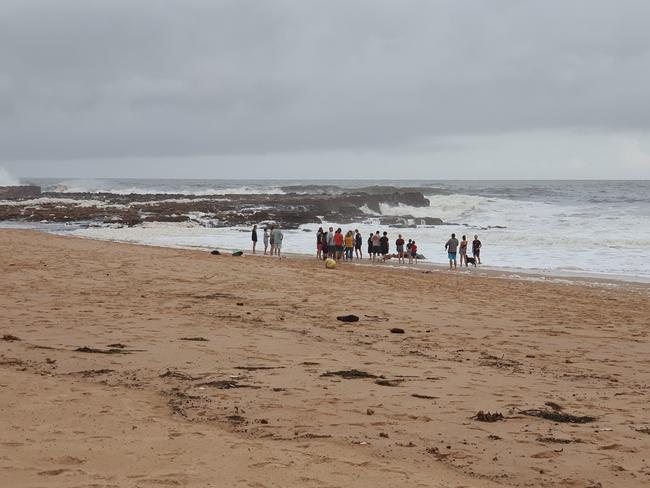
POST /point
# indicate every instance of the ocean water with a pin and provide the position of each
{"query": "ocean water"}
(591, 227)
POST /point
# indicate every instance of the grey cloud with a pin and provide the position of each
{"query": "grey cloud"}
(93, 79)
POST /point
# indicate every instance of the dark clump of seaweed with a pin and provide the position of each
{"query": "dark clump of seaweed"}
(349, 374)
(482, 416)
(559, 416)
(94, 350)
(226, 384)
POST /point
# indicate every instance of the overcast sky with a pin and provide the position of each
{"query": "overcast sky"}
(332, 88)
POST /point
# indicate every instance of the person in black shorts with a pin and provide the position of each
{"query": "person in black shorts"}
(476, 249)
(358, 243)
(384, 244)
(370, 246)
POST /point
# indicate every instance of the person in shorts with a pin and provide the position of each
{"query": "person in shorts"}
(476, 249)
(462, 250)
(452, 248)
(376, 245)
(414, 252)
(358, 244)
(399, 246)
(383, 243)
(278, 237)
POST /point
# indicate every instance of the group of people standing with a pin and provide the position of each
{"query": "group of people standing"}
(272, 237)
(334, 244)
(453, 247)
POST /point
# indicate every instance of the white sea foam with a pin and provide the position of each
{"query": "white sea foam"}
(7, 179)
(101, 186)
(37, 202)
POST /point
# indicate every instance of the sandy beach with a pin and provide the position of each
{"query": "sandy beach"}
(125, 365)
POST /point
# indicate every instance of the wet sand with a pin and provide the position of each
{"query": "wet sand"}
(126, 365)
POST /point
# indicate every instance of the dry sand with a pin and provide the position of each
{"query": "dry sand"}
(249, 405)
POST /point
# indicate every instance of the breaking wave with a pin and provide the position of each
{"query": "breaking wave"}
(7, 179)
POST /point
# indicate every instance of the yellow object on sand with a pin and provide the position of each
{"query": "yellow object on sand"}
(330, 263)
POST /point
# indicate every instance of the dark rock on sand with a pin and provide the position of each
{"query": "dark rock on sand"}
(348, 318)
(396, 330)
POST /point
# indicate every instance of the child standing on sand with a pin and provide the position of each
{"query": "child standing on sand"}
(414, 252)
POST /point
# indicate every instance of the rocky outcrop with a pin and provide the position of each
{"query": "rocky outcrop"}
(289, 210)
(21, 192)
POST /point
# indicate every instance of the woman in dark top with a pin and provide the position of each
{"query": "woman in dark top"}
(323, 244)
(370, 246)
(319, 243)
(254, 237)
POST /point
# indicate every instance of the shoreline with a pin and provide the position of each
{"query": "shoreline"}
(554, 276)
(131, 343)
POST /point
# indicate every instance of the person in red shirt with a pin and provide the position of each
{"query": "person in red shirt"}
(338, 242)
(414, 252)
(399, 245)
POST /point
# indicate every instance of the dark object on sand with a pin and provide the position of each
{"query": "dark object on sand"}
(396, 330)
(117, 346)
(554, 440)
(170, 373)
(238, 253)
(423, 397)
(226, 384)
(257, 368)
(91, 373)
(384, 382)
(198, 339)
(9, 337)
(554, 406)
(236, 419)
(101, 351)
(559, 417)
(482, 416)
(348, 318)
(215, 252)
(349, 374)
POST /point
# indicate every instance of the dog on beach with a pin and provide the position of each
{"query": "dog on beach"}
(471, 260)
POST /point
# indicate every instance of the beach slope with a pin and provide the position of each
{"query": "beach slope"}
(125, 365)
